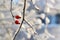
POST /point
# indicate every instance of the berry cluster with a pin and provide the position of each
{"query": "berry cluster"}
(17, 21)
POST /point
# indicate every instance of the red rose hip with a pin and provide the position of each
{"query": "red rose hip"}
(17, 22)
(17, 16)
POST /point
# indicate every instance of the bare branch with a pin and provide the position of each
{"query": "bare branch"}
(22, 20)
(11, 9)
(28, 24)
(17, 31)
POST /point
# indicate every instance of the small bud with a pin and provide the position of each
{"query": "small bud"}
(17, 22)
(17, 16)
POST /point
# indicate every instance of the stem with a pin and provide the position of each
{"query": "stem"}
(22, 20)
(28, 24)
(11, 9)
(24, 9)
(18, 30)
(16, 33)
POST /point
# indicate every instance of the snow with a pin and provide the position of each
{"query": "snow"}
(8, 27)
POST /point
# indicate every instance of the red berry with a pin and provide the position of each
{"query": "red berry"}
(17, 16)
(17, 22)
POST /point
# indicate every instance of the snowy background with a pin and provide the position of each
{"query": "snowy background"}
(34, 10)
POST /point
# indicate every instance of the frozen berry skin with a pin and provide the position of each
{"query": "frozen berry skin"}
(17, 17)
(17, 22)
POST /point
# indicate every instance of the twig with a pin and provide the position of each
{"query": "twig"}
(22, 20)
(11, 9)
(28, 24)
(17, 31)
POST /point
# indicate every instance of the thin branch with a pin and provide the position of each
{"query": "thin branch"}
(24, 9)
(28, 23)
(22, 20)
(11, 9)
(17, 31)
(30, 26)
